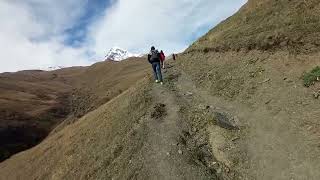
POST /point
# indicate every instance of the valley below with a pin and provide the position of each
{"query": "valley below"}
(35, 103)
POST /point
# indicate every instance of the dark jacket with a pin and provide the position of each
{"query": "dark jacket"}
(154, 56)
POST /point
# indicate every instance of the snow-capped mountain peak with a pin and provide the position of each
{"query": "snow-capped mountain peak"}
(118, 54)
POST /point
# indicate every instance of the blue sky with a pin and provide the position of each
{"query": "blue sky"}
(76, 35)
(42, 33)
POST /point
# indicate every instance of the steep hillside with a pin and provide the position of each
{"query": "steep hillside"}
(252, 65)
(85, 148)
(32, 103)
(102, 81)
(291, 25)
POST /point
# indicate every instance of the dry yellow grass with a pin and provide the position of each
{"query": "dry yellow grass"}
(32, 103)
(85, 149)
(267, 25)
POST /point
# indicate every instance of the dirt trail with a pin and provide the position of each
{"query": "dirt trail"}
(267, 146)
(164, 156)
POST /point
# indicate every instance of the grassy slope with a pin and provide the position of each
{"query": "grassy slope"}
(105, 80)
(246, 75)
(255, 61)
(34, 102)
(31, 103)
(278, 113)
(87, 148)
(265, 25)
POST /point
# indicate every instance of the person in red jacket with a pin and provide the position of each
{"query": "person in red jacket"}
(162, 58)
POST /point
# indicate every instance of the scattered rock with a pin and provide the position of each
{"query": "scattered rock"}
(218, 170)
(252, 74)
(189, 93)
(179, 151)
(309, 128)
(226, 120)
(227, 169)
(214, 165)
(204, 107)
(235, 138)
(268, 102)
(316, 95)
(266, 80)
(168, 154)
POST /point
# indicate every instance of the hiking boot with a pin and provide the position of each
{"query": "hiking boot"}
(157, 81)
(161, 83)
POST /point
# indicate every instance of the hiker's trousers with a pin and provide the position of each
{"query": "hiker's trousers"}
(157, 71)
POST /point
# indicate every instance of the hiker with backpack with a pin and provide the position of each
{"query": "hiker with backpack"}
(162, 58)
(154, 60)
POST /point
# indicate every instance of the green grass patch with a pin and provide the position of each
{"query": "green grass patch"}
(311, 77)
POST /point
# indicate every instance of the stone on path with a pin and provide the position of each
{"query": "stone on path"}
(226, 120)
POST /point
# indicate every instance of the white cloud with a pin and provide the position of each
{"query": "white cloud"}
(32, 31)
(31, 34)
(167, 24)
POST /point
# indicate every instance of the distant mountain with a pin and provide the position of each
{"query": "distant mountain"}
(118, 54)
